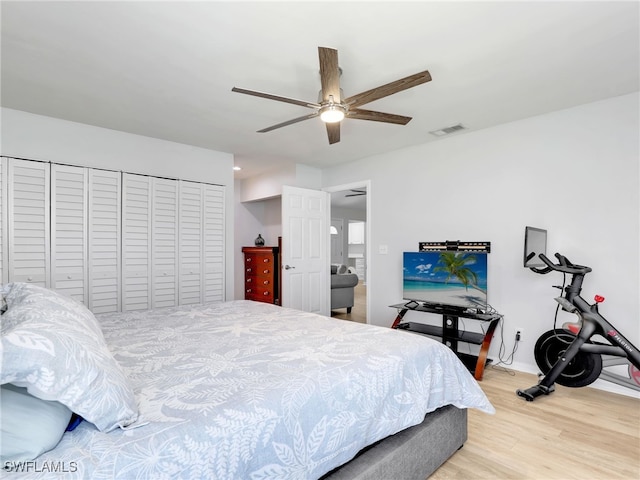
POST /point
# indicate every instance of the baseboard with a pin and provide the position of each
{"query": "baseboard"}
(598, 384)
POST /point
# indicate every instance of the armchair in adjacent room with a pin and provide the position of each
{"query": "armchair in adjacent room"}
(343, 285)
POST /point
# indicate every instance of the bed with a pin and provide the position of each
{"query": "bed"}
(233, 390)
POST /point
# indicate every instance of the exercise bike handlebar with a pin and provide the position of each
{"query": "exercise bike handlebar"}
(564, 265)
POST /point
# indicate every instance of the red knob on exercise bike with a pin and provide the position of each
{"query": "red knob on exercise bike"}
(599, 298)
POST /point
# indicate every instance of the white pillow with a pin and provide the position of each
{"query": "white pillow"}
(29, 426)
(53, 346)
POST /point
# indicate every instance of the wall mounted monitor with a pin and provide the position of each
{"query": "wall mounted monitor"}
(535, 243)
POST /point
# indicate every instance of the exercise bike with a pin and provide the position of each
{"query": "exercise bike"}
(571, 356)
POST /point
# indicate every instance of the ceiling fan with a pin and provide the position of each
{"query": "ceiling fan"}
(332, 108)
(356, 193)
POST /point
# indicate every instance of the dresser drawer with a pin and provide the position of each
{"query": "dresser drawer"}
(259, 271)
(258, 281)
(259, 294)
(255, 260)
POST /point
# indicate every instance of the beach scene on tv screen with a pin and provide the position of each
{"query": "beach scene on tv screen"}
(446, 278)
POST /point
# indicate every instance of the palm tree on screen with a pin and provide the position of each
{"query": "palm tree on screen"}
(454, 264)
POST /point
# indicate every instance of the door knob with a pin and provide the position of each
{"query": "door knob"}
(287, 267)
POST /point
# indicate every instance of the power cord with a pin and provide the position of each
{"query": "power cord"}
(502, 350)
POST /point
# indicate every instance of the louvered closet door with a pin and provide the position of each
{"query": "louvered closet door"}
(136, 242)
(28, 216)
(4, 226)
(164, 241)
(190, 256)
(213, 238)
(69, 187)
(104, 241)
(201, 243)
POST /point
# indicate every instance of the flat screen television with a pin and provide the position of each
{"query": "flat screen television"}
(535, 243)
(454, 279)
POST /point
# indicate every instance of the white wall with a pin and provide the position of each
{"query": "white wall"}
(574, 172)
(35, 137)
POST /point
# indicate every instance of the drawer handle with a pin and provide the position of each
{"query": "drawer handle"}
(248, 290)
(265, 271)
(266, 293)
(248, 280)
(266, 260)
(249, 259)
(266, 282)
(248, 269)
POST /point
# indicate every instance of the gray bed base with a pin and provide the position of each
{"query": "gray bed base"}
(414, 453)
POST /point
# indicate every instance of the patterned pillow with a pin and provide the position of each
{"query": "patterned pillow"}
(53, 346)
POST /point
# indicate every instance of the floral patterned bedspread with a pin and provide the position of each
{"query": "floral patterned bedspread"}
(246, 390)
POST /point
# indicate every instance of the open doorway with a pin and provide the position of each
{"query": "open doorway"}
(349, 250)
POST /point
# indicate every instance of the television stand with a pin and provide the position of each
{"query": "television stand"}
(450, 333)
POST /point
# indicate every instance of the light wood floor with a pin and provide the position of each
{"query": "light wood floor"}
(574, 433)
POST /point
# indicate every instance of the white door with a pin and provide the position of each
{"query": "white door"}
(164, 242)
(69, 203)
(104, 241)
(190, 250)
(213, 243)
(305, 250)
(136, 242)
(4, 229)
(28, 221)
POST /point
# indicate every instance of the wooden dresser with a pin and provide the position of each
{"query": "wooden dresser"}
(261, 274)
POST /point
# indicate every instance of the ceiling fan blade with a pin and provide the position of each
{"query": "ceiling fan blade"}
(356, 193)
(333, 132)
(329, 74)
(360, 114)
(289, 122)
(388, 89)
(276, 97)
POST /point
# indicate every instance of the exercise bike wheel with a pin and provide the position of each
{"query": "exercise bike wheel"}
(581, 371)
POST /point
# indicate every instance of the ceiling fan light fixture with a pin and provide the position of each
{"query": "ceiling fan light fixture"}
(332, 113)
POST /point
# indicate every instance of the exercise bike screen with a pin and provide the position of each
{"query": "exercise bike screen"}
(535, 243)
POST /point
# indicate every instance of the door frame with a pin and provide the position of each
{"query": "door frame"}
(368, 257)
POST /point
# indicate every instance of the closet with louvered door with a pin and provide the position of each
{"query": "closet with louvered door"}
(164, 242)
(136, 242)
(104, 250)
(114, 241)
(69, 187)
(28, 221)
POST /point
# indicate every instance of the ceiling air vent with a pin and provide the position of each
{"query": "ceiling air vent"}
(448, 130)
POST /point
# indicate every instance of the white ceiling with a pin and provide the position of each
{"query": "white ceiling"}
(166, 69)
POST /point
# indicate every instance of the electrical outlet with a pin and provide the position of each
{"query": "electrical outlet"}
(519, 335)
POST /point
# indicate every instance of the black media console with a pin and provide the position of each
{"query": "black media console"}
(450, 332)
